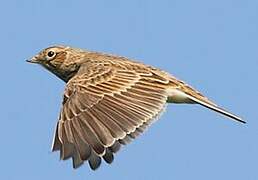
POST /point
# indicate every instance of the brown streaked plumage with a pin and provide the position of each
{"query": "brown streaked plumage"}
(109, 101)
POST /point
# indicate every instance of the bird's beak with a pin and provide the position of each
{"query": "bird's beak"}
(32, 60)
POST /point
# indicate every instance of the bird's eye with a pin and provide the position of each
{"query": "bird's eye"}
(51, 54)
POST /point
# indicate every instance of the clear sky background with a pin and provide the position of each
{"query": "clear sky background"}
(212, 45)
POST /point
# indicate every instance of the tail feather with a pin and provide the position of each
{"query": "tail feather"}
(216, 108)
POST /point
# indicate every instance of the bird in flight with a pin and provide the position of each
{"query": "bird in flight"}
(109, 101)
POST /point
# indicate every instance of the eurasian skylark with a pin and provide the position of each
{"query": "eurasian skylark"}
(109, 100)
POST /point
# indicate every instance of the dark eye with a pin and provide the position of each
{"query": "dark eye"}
(51, 54)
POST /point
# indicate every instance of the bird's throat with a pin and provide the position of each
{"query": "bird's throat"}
(65, 73)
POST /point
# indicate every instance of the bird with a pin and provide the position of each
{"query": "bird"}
(109, 101)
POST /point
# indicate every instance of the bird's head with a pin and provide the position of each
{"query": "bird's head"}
(63, 61)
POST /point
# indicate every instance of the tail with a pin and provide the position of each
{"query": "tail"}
(216, 108)
(179, 96)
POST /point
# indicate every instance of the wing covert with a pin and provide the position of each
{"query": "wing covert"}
(106, 106)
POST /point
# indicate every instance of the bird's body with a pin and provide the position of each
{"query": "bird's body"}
(109, 100)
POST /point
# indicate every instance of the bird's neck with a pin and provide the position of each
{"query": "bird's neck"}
(65, 73)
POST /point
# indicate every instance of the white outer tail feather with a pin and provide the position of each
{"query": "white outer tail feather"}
(177, 96)
(217, 109)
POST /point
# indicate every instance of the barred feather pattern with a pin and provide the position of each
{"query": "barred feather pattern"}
(105, 107)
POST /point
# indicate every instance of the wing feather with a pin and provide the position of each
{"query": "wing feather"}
(89, 135)
(124, 123)
(67, 149)
(102, 111)
(107, 120)
(82, 147)
(108, 157)
(115, 147)
(94, 161)
(77, 161)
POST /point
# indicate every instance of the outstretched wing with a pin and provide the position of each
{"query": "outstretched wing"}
(106, 106)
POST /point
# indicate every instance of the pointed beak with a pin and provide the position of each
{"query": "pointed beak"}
(32, 60)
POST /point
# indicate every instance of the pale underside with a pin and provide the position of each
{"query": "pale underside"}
(109, 104)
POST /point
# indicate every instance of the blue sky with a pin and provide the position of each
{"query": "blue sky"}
(212, 45)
